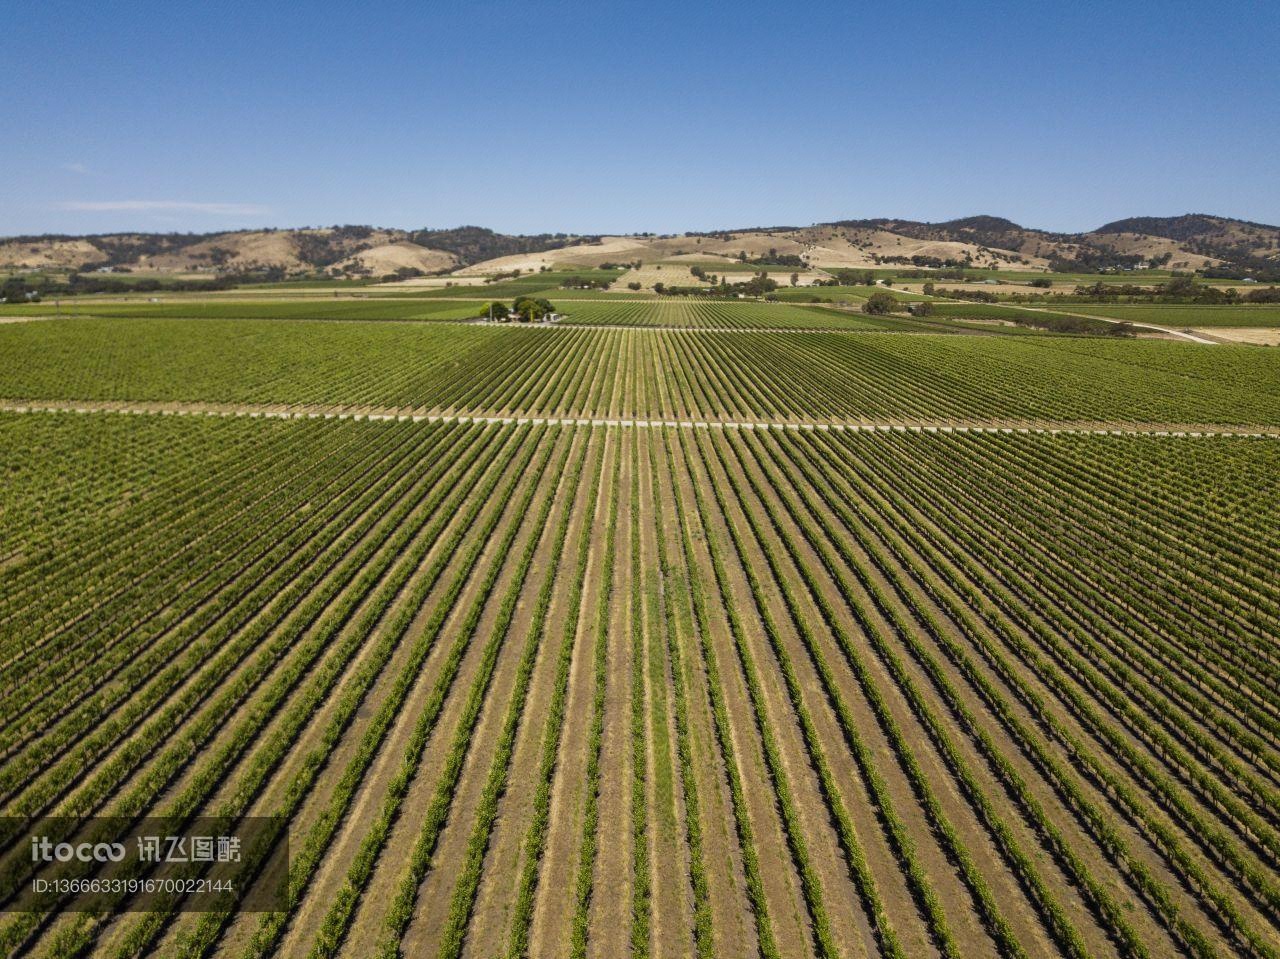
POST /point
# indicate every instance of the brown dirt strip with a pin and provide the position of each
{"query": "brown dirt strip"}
(1148, 925)
(319, 895)
(1136, 841)
(1061, 886)
(336, 766)
(282, 778)
(184, 772)
(1064, 819)
(230, 783)
(890, 879)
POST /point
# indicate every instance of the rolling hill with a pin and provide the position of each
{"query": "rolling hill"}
(1188, 242)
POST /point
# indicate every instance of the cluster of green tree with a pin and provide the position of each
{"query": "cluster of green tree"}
(402, 273)
(850, 278)
(1186, 227)
(471, 244)
(323, 249)
(1241, 244)
(121, 248)
(508, 275)
(1236, 242)
(880, 303)
(945, 273)
(1248, 267)
(1178, 289)
(525, 309)
(585, 283)
(773, 258)
(1058, 323)
(18, 288)
(975, 296)
(1094, 260)
(760, 284)
(629, 265)
(935, 262)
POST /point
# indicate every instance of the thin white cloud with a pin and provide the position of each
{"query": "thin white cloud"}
(163, 206)
(74, 167)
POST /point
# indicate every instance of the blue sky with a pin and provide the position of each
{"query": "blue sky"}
(613, 117)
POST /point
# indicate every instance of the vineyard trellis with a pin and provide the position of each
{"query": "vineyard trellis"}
(528, 686)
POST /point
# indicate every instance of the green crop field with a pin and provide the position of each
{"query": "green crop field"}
(581, 371)
(1182, 316)
(834, 294)
(698, 313)
(1065, 320)
(678, 628)
(312, 308)
(546, 283)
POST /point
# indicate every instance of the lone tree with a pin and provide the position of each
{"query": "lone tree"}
(879, 303)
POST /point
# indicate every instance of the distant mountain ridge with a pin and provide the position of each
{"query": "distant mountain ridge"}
(1193, 241)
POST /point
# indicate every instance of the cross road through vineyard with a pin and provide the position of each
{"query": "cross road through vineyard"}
(713, 629)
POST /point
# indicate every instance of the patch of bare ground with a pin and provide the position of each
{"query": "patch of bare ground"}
(422, 937)
(733, 929)
(1256, 336)
(609, 919)
(490, 927)
(785, 905)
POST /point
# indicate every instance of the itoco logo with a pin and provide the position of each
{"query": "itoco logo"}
(42, 850)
